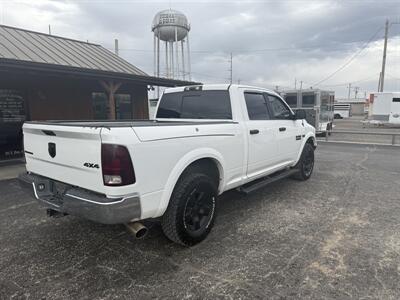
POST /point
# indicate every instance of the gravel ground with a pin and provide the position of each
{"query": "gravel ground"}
(335, 236)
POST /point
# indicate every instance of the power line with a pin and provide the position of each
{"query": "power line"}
(253, 50)
(350, 60)
(391, 76)
(207, 75)
(346, 83)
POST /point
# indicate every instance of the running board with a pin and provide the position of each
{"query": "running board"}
(262, 182)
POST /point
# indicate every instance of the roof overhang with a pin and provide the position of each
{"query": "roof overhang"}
(12, 65)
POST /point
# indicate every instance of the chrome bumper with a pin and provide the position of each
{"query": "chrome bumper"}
(80, 202)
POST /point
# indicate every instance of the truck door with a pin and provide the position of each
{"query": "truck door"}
(262, 148)
(289, 132)
(394, 116)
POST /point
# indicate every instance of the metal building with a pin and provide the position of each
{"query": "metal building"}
(171, 28)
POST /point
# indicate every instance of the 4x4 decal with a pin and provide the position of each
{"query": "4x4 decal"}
(90, 165)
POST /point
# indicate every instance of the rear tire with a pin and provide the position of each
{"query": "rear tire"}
(306, 163)
(191, 212)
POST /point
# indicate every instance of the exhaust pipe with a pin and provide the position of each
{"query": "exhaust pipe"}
(138, 230)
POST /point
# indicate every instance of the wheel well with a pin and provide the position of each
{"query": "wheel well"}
(311, 142)
(207, 166)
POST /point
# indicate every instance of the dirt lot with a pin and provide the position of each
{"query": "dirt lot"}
(334, 236)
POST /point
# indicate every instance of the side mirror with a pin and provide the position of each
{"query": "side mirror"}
(300, 114)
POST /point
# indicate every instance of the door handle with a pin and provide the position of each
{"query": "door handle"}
(254, 131)
(282, 129)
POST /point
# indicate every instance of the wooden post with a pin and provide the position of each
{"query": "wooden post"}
(111, 88)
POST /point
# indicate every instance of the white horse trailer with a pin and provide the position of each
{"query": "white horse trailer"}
(385, 108)
(318, 105)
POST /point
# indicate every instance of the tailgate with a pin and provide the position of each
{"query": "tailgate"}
(70, 154)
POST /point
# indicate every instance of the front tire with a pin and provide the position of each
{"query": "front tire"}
(306, 163)
(191, 212)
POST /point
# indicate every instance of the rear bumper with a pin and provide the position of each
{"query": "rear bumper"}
(80, 202)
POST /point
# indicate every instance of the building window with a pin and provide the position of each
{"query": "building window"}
(123, 106)
(100, 106)
(12, 116)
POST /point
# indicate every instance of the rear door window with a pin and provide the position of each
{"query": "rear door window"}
(195, 105)
(256, 106)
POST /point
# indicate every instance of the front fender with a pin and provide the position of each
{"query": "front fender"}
(305, 139)
(181, 166)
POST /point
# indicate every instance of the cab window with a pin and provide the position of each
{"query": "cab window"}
(279, 110)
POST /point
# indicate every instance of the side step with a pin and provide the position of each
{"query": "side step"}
(262, 182)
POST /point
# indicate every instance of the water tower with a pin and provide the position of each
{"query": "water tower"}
(171, 28)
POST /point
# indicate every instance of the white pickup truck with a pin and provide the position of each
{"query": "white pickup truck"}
(204, 141)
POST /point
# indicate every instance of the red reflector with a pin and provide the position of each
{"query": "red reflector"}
(116, 165)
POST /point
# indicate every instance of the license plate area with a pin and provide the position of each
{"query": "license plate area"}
(43, 188)
(49, 190)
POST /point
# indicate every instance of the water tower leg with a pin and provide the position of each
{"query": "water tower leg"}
(155, 55)
(172, 60)
(166, 60)
(183, 60)
(158, 65)
(188, 55)
(154, 60)
(177, 52)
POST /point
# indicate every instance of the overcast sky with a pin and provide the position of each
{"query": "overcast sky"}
(273, 42)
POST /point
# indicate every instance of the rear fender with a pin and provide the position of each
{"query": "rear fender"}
(181, 166)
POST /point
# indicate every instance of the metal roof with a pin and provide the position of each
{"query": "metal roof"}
(29, 46)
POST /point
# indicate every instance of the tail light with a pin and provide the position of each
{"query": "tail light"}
(116, 165)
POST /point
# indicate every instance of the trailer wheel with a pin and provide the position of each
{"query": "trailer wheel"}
(191, 212)
(306, 163)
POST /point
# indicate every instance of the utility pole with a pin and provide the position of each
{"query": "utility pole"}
(379, 82)
(356, 88)
(382, 81)
(348, 97)
(116, 47)
(301, 84)
(49, 29)
(231, 69)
